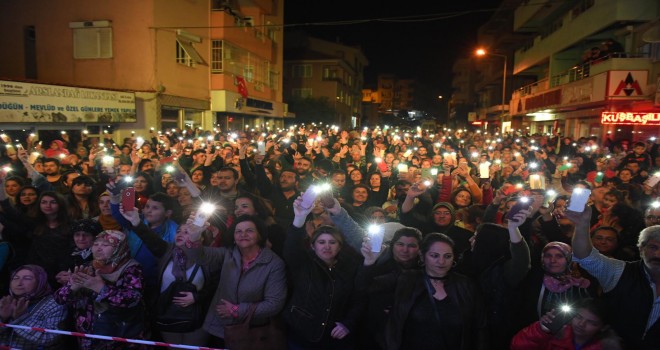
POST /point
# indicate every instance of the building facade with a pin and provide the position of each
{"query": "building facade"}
(597, 66)
(319, 68)
(172, 57)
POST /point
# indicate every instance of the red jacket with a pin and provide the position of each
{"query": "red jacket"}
(533, 338)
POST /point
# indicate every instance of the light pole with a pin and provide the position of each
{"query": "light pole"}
(482, 52)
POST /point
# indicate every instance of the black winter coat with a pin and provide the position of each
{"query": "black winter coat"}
(410, 286)
(320, 295)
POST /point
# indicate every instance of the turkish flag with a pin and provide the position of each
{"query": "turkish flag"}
(242, 86)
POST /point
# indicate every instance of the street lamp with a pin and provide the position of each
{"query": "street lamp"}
(482, 52)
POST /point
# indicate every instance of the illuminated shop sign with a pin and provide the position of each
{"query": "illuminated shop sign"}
(630, 118)
(26, 102)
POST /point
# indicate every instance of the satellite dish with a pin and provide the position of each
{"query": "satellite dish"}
(652, 35)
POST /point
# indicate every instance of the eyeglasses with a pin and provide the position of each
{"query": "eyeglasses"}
(652, 217)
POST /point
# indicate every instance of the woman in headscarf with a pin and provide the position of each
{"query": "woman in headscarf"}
(105, 218)
(106, 296)
(30, 303)
(180, 261)
(556, 282)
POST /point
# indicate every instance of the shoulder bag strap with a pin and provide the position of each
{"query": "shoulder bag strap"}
(194, 272)
(250, 313)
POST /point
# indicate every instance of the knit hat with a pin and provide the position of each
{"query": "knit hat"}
(389, 228)
(446, 205)
(86, 225)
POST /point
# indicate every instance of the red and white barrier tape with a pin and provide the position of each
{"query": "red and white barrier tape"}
(104, 337)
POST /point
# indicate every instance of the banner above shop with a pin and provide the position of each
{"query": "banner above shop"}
(630, 118)
(40, 103)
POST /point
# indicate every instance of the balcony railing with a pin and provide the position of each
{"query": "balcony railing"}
(576, 73)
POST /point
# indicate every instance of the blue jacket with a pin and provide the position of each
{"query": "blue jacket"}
(139, 251)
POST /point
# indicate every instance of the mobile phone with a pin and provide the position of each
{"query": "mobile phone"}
(509, 189)
(128, 199)
(564, 315)
(376, 233)
(426, 173)
(382, 166)
(550, 196)
(166, 160)
(565, 166)
(521, 204)
(652, 180)
(579, 198)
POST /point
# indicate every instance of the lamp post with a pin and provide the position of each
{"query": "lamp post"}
(482, 52)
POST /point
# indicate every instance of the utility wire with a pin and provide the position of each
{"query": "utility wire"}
(398, 19)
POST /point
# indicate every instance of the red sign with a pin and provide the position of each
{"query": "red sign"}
(242, 86)
(546, 99)
(630, 118)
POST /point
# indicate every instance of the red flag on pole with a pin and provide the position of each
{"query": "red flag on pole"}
(242, 86)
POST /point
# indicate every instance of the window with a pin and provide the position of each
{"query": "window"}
(186, 53)
(329, 73)
(248, 21)
(273, 79)
(302, 71)
(216, 56)
(340, 95)
(248, 73)
(302, 93)
(92, 42)
(182, 56)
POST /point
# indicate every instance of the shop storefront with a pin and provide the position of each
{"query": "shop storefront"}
(49, 111)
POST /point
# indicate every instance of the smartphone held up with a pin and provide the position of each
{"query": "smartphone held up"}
(564, 315)
(579, 199)
(128, 199)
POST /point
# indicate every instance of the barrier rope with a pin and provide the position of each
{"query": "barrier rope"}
(103, 337)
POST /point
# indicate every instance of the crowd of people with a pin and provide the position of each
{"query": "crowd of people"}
(329, 238)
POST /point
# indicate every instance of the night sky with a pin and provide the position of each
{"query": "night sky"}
(424, 51)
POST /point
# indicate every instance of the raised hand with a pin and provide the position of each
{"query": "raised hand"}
(132, 216)
(20, 307)
(583, 218)
(519, 218)
(6, 307)
(369, 256)
(416, 189)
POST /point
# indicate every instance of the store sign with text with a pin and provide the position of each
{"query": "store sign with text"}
(630, 118)
(40, 103)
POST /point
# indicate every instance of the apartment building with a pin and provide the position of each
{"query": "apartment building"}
(319, 68)
(597, 66)
(132, 65)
